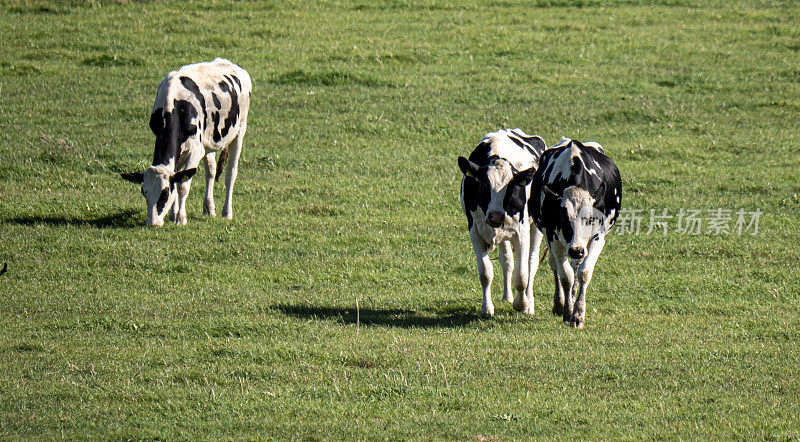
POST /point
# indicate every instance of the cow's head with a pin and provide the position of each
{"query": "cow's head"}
(581, 218)
(158, 188)
(504, 185)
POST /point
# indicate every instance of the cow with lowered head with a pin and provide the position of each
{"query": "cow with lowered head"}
(575, 202)
(200, 112)
(494, 196)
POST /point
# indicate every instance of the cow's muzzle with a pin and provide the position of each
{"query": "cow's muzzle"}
(495, 219)
(576, 252)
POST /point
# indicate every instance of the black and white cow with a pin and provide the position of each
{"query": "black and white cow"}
(494, 196)
(200, 111)
(575, 202)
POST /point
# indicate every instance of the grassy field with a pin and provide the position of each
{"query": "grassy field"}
(348, 196)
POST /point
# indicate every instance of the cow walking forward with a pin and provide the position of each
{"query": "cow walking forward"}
(494, 196)
(575, 202)
(200, 112)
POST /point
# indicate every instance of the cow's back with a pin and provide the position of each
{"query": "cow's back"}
(218, 93)
(595, 172)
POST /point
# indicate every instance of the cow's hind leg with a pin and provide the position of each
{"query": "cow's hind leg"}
(523, 250)
(584, 276)
(507, 263)
(211, 174)
(533, 266)
(231, 171)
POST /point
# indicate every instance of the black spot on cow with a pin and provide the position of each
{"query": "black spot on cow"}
(162, 200)
(480, 155)
(215, 120)
(476, 194)
(177, 128)
(514, 201)
(157, 121)
(215, 98)
(233, 112)
(236, 79)
(192, 87)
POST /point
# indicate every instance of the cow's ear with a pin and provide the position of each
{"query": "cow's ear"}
(136, 177)
(549, 191)
(468, 168)
(526, 176)
(182, 176)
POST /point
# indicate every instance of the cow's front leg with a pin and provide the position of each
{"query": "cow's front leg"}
(585, 271)
(523, 250)
(183, 192)
(211, 175)
(485, 271)
(566, 277)
(507, 263)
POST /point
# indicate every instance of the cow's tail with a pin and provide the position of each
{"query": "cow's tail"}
(544, 253)
(223, 156)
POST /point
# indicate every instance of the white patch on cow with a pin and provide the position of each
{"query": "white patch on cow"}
(585, 220)
(610, 219)
(499, 174)
(155, 182)
(564, 141)
(595, 146)
(562, 163)
(503, 147)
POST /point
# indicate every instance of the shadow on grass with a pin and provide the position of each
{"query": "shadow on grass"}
(124, 219)
(401, 318)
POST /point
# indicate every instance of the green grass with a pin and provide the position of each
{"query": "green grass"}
(348, 193)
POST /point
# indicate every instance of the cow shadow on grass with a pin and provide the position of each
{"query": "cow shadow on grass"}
(124, 219)
(366, 317)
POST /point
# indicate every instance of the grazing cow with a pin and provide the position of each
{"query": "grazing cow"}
(494, 196)
(575, 202)
(200, 111)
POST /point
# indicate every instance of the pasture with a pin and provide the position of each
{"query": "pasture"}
(342, 301)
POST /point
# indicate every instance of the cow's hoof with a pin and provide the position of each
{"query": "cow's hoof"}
(210, 212)
(523, 307)
(558, 310)
(487, 311)
(508, 297)
(575, 322)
